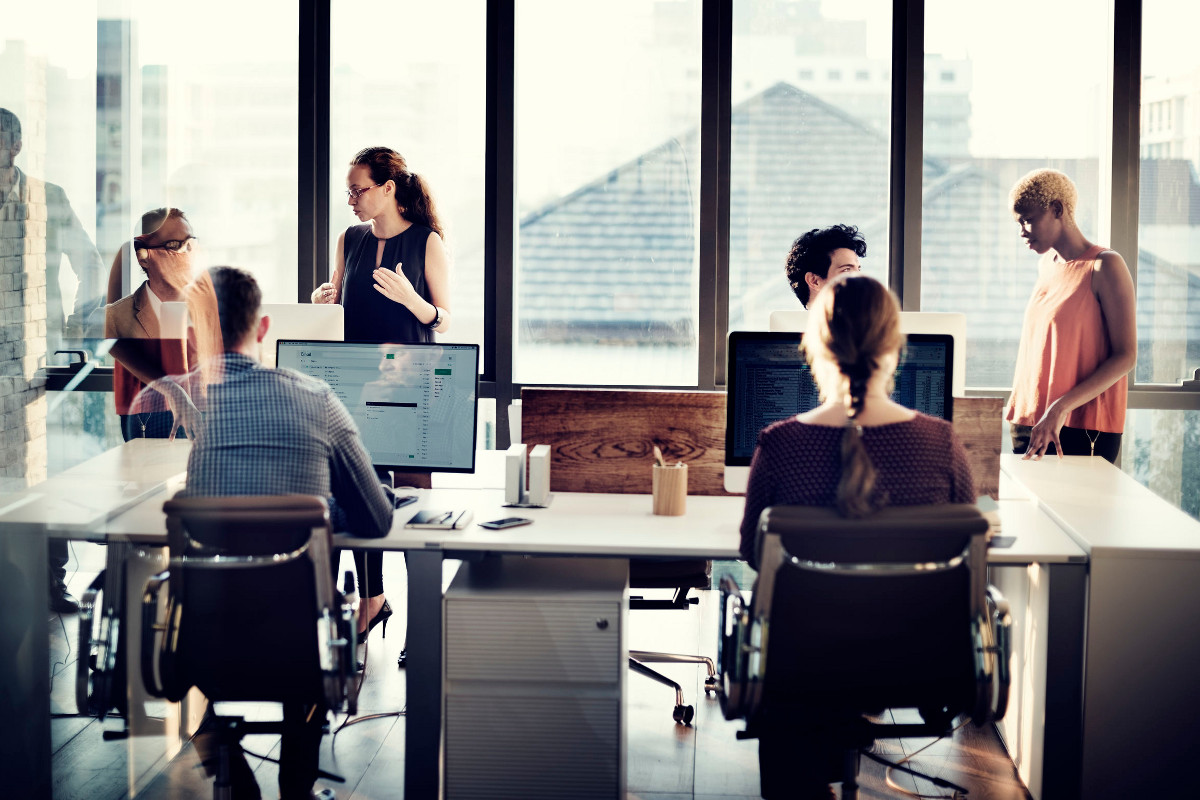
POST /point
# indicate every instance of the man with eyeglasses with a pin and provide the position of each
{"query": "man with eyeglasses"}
(143, 351)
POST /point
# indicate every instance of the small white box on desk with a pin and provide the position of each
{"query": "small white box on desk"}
(514, 475)
(538, 493)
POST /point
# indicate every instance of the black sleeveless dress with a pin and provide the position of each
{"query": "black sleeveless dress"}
(370, 315)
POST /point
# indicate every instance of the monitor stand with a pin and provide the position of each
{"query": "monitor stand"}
(417, 480)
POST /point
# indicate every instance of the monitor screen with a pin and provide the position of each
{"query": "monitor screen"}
(769, 380)
(303, 322)
(414, 404)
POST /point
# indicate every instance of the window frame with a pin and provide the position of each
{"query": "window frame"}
(904, 245)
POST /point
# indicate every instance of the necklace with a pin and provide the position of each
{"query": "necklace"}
(1092, 439)
(141, 418)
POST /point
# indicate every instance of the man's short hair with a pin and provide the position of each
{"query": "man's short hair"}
(238, 302)
(10, 128)
(1041, 187)
(810, 253)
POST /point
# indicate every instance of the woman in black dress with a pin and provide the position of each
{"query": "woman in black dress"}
(391, 274)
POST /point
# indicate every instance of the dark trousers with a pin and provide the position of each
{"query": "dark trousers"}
(368, 565)
(157, 425)
(1075, 442)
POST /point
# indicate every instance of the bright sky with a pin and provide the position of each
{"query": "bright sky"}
(1018, 61)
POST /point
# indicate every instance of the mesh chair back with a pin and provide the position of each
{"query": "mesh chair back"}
(871, 613)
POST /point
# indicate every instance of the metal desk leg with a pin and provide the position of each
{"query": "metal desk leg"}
(423, 724)
(25, 660)
(1063, 761)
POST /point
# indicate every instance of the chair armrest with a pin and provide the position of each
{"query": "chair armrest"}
(83, 668)
(152, 627)
(1001, 617)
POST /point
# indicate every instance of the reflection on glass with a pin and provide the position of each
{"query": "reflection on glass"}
(608, 109)
(132, 108)
(811, 100)
(1159, 450)
(986, 124)
(1168, 276)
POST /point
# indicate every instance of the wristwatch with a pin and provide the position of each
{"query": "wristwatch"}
(437, 319)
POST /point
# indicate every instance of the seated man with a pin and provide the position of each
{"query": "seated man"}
(275, 431)
(821, 255)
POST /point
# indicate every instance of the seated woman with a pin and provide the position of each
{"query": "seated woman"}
(858, 451)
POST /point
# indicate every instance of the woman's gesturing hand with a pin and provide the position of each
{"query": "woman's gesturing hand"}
(394, 286)
(325, 293)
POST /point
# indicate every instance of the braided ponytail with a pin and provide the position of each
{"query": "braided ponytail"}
(855, 322)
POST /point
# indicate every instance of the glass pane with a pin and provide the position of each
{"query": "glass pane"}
(811, 95)
(608, 180)
(424, 97)
(208, 129)
(987, 123)
(1161, 449)
(1168, 265)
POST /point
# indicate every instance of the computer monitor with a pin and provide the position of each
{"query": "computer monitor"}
(769, 380)
(301, 322)
(414, 404)
(953, 323)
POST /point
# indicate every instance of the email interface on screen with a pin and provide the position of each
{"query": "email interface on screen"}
(414, 404)
(769, 381)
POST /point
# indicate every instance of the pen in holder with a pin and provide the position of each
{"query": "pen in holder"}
(670, 489)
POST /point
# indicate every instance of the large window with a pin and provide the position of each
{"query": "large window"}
(811, 118)
(202, 117)
(608, 188)
(1163, 449)
(412, 78)
(1001, 99)
(137, 107)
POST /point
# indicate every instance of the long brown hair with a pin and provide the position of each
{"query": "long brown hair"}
(412, 193)
(853, 325)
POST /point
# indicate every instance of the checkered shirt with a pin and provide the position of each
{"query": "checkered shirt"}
(275, 431)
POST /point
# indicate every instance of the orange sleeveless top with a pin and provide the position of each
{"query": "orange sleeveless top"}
(1063, 340)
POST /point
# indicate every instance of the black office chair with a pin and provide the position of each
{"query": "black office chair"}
(250, 612)
(681, 576)
(851, 617)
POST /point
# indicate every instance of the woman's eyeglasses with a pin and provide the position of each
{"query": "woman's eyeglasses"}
(354, 194)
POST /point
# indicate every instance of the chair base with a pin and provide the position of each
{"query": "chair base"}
(682, 713)
(229, 732)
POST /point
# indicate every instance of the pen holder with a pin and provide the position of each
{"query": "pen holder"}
(670, 490)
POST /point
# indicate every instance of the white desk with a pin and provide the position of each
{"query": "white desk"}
(80, 503)
(1141, 687)
(617, 525)
(574, 525)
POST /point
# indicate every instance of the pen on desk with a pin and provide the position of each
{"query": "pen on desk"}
(658, 456)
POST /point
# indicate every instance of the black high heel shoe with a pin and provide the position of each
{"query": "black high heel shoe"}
(381, 616)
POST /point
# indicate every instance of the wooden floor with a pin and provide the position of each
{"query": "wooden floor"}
(665, 761)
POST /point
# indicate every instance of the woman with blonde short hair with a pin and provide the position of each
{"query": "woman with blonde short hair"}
(1079, 338)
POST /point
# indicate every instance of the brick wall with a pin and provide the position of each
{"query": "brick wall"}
(23, 337)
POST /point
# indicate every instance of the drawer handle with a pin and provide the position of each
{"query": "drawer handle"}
(602, 624)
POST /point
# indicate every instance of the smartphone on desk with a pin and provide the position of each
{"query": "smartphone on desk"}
(507, 522)
(402, 500)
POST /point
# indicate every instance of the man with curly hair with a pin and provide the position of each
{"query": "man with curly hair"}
(822, 254)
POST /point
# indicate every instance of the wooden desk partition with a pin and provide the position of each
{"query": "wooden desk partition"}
(602, 440)
(979, 423)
